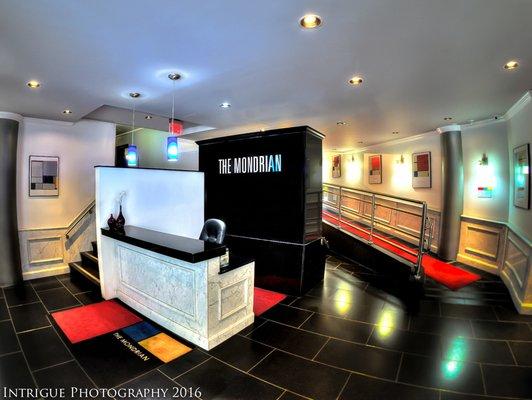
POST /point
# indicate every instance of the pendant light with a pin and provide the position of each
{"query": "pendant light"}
(174, 127)
(132, 152)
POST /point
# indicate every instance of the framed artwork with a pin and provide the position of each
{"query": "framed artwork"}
(44, 176)
(375, 169)
(336, 166)
(522, 176)
(421, 170)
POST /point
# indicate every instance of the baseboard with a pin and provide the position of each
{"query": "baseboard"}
(43, 273)
(473, 262)
(522, 308)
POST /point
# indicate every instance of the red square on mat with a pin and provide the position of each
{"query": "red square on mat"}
(82, 323)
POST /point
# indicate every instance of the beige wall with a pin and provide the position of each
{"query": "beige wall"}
(520, 132)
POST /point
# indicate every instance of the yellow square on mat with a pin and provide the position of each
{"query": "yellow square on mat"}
(164, 347)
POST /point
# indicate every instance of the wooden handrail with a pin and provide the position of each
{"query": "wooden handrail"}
(79, 218)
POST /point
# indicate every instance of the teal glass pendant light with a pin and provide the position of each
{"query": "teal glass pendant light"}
(172, 142)
(132, 155)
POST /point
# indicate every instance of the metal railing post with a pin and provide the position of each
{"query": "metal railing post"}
(340, 208)
(372, 218)
(421, 240)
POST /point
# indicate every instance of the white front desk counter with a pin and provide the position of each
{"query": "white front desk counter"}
(176, 282)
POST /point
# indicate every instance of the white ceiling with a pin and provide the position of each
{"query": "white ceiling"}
(421, 60)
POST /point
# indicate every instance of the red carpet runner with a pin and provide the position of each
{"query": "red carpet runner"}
(82, 323)
(265, 299)
(446, 274)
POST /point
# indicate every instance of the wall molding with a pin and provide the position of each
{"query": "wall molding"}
(518, 105)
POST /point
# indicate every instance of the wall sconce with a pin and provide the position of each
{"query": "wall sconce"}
(352, 158)
(172, 148)
(485, 178)
(401, 160)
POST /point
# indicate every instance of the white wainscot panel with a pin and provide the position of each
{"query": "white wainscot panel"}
(173, 285)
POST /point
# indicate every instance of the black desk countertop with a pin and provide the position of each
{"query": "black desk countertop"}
(180, 247)
(235, 261)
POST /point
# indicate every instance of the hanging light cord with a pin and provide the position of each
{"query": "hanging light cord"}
(173, 107)
(133, 125)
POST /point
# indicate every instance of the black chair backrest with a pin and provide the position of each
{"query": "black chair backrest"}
(213, 231)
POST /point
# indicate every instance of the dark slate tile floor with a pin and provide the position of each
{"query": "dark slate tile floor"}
(359, 334)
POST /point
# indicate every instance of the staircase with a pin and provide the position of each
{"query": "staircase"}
(87, 268)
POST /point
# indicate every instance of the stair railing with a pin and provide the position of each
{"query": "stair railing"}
(87, 210)
(339, 211)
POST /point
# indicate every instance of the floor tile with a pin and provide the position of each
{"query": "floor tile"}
(8, 338)
(109, 361)
(502, 330)
(427, 307)
(161, 386)
(240, 352)
(411, 342)
(14, 372)
(68, 375)
(20, 295)
(76, 286)
(29, 316)
(56, 299)
(301, 376)
(287, 300)
(183, 364)
(466, 311)
(247, 330)
(4, 314)
(289, 339)
(477, 350)
(291, 396)
(360, 358)
(89, 297)
(508, 381)
(444, 374)
(43, 348)
(341, 309)
(217, 380)
(509, 313)
(338, 328)
(287, 315)
(41, 284)
(441, 325)
(522, 352)
(363, 387)
(459, 396)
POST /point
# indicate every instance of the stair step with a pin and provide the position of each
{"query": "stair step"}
(88, 273)
(95, 247)
(89, 260)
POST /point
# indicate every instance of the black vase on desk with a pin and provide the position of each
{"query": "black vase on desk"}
(120, 222)
(111, 223)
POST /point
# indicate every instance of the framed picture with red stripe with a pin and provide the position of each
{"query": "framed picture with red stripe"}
(336, 166)
(375, 169)
(421, 170)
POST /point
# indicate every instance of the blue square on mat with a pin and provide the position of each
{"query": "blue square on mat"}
(140, 331)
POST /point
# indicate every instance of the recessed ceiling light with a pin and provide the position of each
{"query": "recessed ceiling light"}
(356, 80)
(395, 133)
(67, 111)
(225, 104)
(134, 95)
(360, 142)
(310, 21)
(447, 118)
(174, 76)
(341, 123)
(148, 117)
(262, 130)
(512, 64)
(33, 84)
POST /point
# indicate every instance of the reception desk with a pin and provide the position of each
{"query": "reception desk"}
(177, 282)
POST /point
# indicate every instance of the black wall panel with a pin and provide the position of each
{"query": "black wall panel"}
(271, 215)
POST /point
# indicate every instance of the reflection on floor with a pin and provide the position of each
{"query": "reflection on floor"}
(358, 335)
